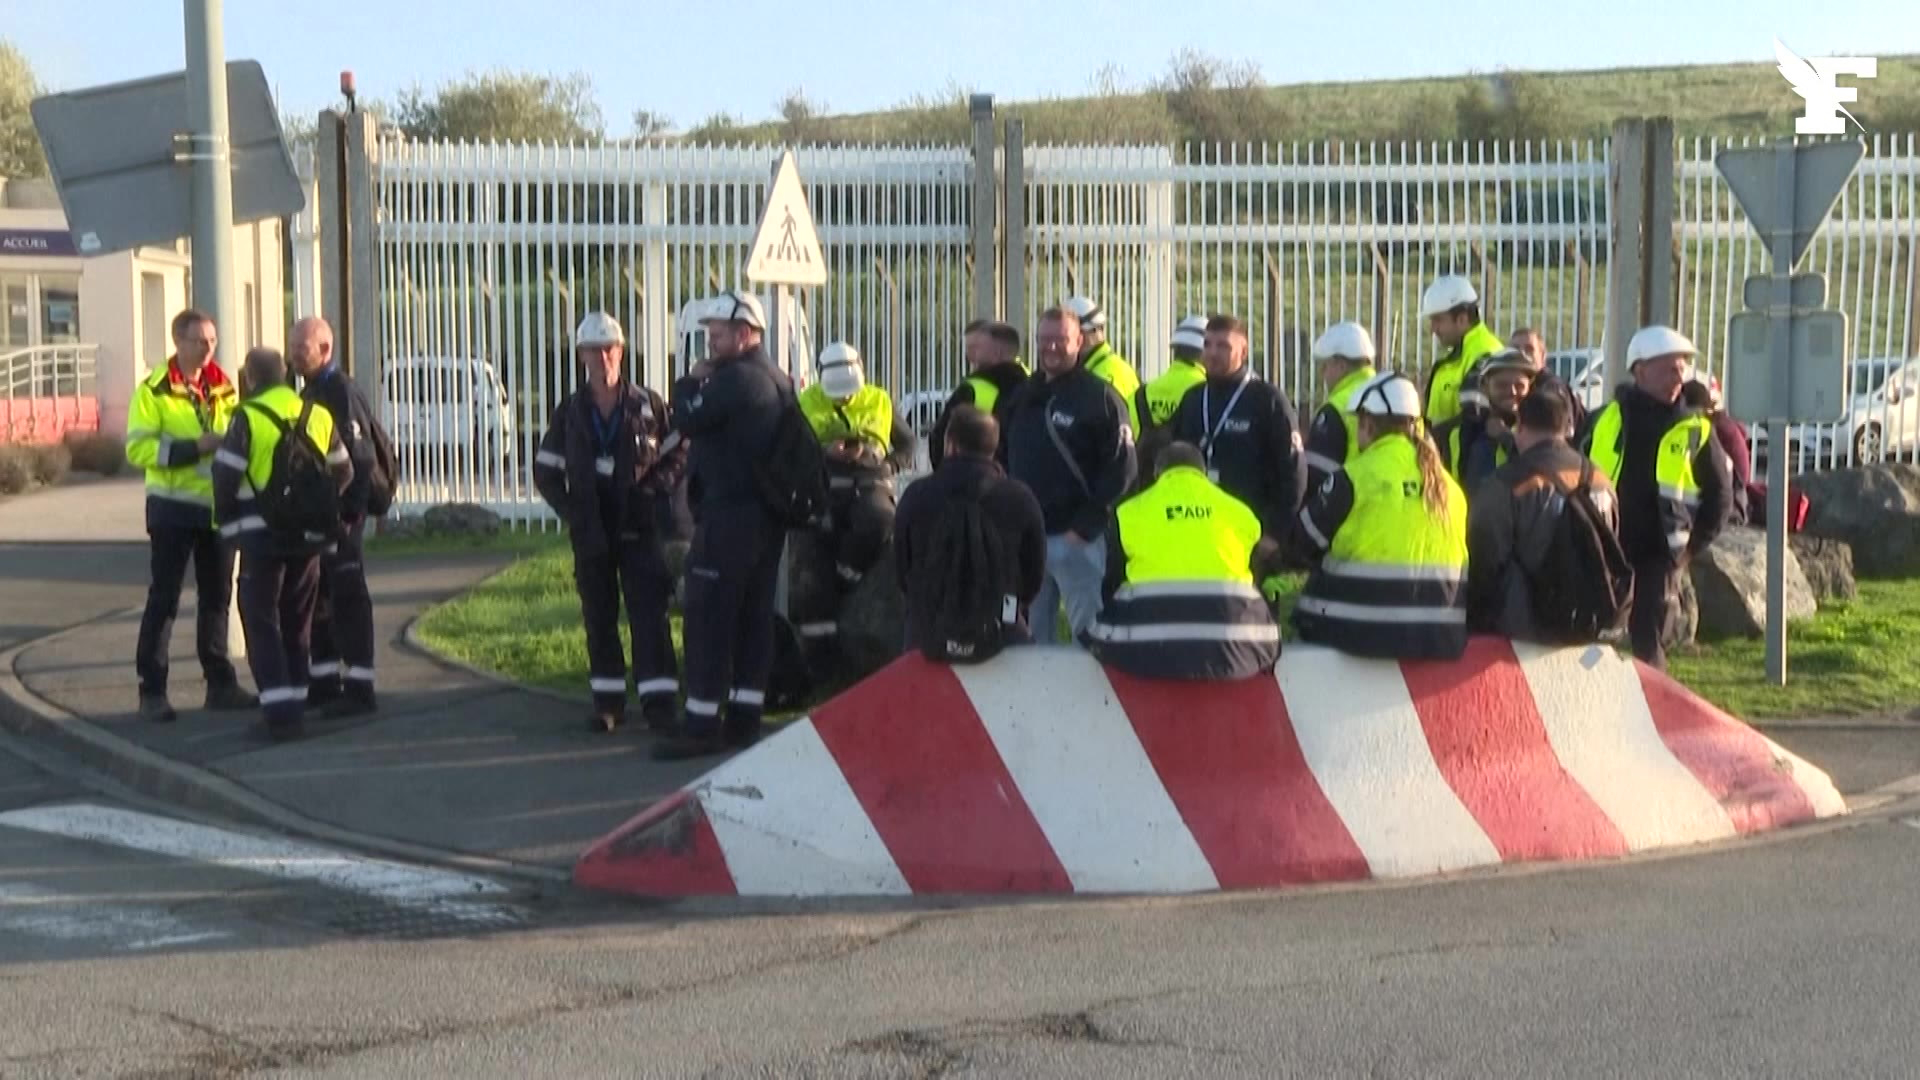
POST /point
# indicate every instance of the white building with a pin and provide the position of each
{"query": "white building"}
(77, 334)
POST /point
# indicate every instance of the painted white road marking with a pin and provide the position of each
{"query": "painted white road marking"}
(398, 883)
(31, 911)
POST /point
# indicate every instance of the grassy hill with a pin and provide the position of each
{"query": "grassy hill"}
(1217, 106)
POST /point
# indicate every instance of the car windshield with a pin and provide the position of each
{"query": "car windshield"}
(1870, 376)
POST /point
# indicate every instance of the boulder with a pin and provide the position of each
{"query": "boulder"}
(873, 623)
(1874, 508)
(460, 519)
(1731, 580)
(1828, 565)
(1684, 628)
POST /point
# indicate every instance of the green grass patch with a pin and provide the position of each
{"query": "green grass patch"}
(1852, 659)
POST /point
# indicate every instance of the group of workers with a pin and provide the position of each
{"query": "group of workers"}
(1151, 522)
(284, 479)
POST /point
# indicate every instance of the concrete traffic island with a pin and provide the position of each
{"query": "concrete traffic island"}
(1042, 772)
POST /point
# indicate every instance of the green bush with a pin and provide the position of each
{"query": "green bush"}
(94, 453)
(49, 464)
(16, 470)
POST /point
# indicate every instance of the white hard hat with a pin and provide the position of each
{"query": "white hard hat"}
(1092, 317)
(1388, 394)
(1191, 333)
(1654, 341)
(598, 328)
(1347, 340)
(737, 305)
(1446, 293)
(840, 374)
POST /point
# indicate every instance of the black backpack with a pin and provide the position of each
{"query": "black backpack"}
(955, 596)
(386, 463)
(1583, 589)
(793, 473)
(300, 502)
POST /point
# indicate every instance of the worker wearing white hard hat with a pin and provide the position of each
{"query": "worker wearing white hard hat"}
(866, 444)
(1451, 308)
(745, 489)
(1345, 356)
(609, 466)
(1100, 358)
(1672, 477)
(1159, 399)
(1387, 537)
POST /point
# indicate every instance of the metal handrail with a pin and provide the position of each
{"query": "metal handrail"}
(49, 371)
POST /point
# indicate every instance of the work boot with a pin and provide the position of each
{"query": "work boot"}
(324, 692)
(740, 732)
(348, 705)
(606, 720)
(685, 747)
(155, 708)
(285, 730)
(662, 717)
(230, 698)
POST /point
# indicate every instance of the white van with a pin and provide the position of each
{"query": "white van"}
(457, 406)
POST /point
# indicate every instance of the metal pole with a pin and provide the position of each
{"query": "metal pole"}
(985, 210)
(780, 351)
(1780, 341)
(213, 290)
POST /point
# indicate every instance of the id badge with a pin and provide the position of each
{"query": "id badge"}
(603, 465)
(1009, 609)
(1213, 475)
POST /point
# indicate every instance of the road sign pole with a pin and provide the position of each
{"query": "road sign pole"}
(780, 350)
(1786, 160)
(208, 152)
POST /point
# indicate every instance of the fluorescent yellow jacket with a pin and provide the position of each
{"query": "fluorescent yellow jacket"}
(1443, 387)
(166, 418)
(1113, 369)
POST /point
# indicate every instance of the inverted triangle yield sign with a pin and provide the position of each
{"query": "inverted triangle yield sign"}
(786, 249)
(1820, 173)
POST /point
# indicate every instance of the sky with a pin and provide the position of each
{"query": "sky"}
(692, 58)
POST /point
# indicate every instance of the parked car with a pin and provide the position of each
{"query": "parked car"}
(1882, 419)
(1584, 370)
(446, 407)
(690, 338)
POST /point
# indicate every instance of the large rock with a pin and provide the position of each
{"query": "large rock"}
(1875, 509)
(1828, 565)
(873, 623)
(461, 519)
(1731, 580)
(1684, 628)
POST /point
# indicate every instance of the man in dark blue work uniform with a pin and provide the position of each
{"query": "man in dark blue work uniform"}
(729, 406)
(608, 466)
(342, 669)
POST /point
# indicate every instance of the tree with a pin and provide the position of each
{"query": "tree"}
(20, 153)
(503, 106)
(1511, 105)
(1222, 101)
(649, 125)
(799, 118)
(720, 127)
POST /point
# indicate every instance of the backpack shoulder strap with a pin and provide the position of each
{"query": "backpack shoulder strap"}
(274, 418)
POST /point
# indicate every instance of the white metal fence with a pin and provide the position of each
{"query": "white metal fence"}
(489, 254)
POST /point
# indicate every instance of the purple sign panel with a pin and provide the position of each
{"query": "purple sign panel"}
(36, 242)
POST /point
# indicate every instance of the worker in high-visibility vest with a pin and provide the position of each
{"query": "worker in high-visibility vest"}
(866, 445)
(1157, 401)
(255, 498)
(1672, 478)
(1098, 357)
(1345, 355)
(175, 421)
(994, 372)
(1387, 538)
(1451, 308)
(1180, 600)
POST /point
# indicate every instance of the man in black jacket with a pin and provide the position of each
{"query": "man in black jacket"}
(1070, 441)
(608, 465)
(967, 471)
(1672, 478)
(729, 406)
(1251, 439)
(994, 372)
(343, 643)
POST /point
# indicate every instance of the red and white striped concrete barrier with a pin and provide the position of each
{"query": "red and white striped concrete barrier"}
(1043, 772)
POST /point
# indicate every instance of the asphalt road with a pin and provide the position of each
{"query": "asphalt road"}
(1784, 957)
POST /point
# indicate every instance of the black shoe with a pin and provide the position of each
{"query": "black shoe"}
(348, 706)
(324, 693)
(230, 698)
(738, 735)
(684, 747)
(285, 730)
(606, 721)
(661, 717)
(155, 708)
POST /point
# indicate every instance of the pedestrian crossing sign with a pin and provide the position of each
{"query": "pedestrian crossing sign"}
(786, 249)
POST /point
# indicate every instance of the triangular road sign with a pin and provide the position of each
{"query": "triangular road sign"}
(1821, 171)
(786, 249)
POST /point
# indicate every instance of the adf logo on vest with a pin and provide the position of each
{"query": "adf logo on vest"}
(1817, 80)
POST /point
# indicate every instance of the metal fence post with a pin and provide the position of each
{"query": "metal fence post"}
(330, 219)
(986, 208)
(1626, 212)
(360, 328)
(1013, 225)
(656, 291)
(1657, 296)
